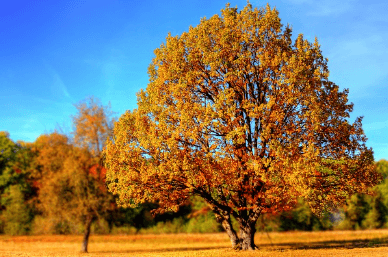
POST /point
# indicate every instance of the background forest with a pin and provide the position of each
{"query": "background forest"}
(56, 185)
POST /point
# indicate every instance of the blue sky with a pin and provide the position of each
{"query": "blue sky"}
(56, 53)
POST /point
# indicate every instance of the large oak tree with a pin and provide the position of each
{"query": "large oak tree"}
(242, 115)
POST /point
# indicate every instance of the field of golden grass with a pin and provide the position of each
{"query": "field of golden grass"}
(331, 243)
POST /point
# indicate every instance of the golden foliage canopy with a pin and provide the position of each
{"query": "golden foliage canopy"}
(245, 117)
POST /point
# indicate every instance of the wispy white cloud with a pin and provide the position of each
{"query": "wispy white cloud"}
(376, 125)
(57, 87)
(29, 127)
(364, 44)
(376, 131)
(300, 1)
(110, 67)
(110, 70)
(324, 7)
(360, 50)
(27, 116)
(113, 69)
(380, 150)
(30, 123)
(357, 61)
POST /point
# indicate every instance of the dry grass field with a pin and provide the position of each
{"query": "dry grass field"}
(332, 243)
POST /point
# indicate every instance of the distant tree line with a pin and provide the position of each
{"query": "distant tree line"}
(56, 185)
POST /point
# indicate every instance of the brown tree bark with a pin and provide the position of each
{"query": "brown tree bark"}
(222, 217)
(247, 236)
(86, 235)
(227, 225)
(247, 222)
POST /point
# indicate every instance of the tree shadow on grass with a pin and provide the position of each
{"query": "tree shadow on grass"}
(330, 244)
(165, 250)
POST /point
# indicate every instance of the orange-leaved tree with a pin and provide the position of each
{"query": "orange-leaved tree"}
(51, 151)
(74, 193)
(93, 125)
(54, 190)
(241, 115)
(72, 177)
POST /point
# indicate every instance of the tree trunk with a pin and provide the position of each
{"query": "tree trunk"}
(227, 225)
(86, 236)
(247, 236)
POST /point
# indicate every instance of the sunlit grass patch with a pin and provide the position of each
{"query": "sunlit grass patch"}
(330, 243)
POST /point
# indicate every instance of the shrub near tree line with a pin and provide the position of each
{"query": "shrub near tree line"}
(368, 211)
(239, 114)
(56, 185)
(17, 190)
